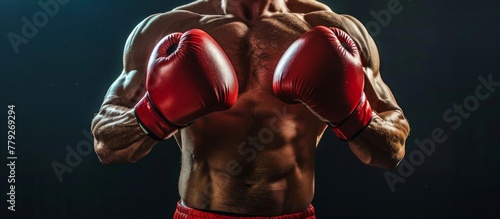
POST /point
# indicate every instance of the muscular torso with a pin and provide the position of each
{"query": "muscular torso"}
(257, 157)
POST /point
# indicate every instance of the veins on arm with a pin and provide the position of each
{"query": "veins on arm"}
(118, 137)
(382, 143)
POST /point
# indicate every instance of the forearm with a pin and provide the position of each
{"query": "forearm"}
(117, 136)
(382, 143)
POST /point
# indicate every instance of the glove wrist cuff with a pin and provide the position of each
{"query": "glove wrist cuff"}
(356, 122)
(151, 122)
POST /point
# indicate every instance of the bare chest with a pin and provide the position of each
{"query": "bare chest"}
(254, 50)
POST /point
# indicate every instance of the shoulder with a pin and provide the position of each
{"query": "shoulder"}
(316, 13)
(144, 37)
(200, 7)
(306, 6)
(166, 21)
(353, 27)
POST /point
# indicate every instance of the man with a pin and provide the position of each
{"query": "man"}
(248, 87)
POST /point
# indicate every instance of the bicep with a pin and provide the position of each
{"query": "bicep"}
(126, 90)
(129, 87)
(377, 91)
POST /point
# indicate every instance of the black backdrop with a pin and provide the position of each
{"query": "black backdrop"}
(434, 56)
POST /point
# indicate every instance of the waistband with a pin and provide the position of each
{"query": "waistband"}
(185, 212)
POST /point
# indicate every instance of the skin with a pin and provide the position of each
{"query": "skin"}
(251, 158)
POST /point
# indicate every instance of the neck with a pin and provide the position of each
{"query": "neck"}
(250, 10)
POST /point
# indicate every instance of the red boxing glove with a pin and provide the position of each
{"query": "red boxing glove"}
(323, 70)
(189, 76)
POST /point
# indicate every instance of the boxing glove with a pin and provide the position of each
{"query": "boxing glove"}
(189, 76)
(323, 70)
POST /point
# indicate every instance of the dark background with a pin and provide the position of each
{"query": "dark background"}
(432, 55)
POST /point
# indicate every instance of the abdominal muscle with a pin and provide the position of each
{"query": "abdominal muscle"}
(255, 159)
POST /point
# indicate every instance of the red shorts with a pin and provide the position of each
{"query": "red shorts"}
(185, 212)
